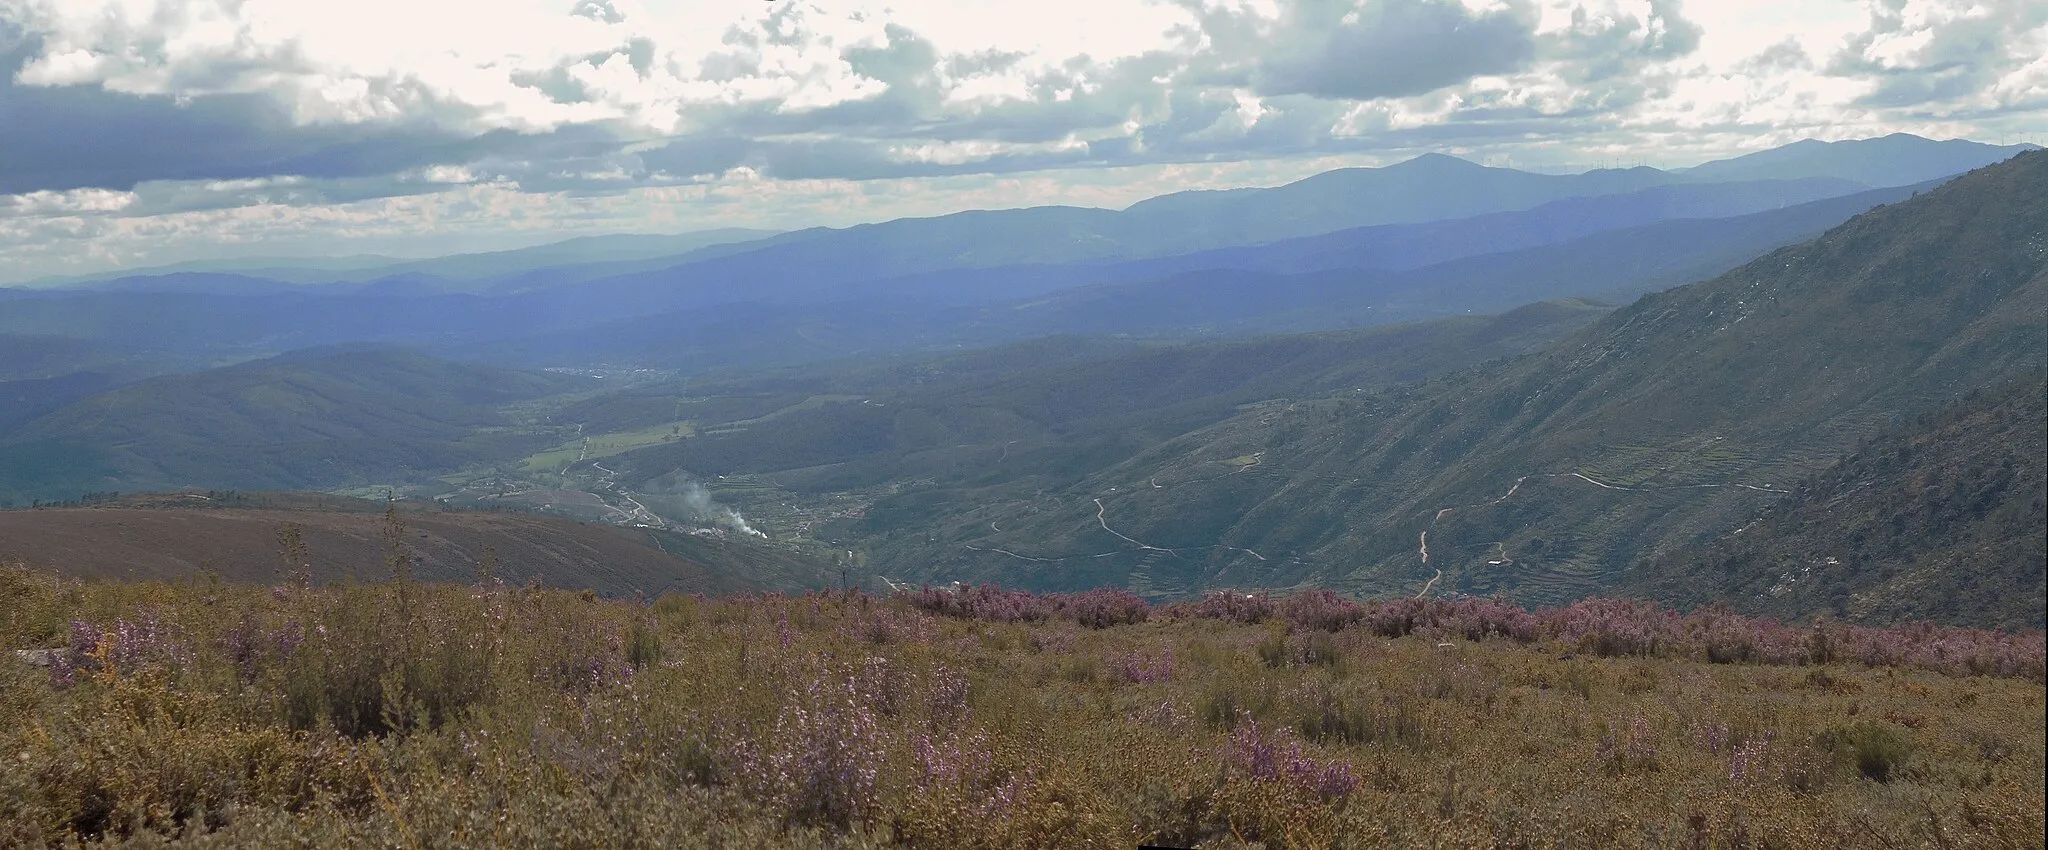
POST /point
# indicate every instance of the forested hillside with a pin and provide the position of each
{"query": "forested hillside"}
(306, 419)
(1665, 424)
(1941, 520)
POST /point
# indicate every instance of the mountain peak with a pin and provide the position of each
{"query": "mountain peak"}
(1437, 161)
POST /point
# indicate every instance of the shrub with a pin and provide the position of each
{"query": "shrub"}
(1320, 610)
(1273, 755)
(1627, 747)
(307, 716)
(821, 764)
(1143, 668)
(1101, 609)
(643, 645)
(1328, 714)
(1611, 627)
(1225, 702)
(1230, 607)
(1877, 751)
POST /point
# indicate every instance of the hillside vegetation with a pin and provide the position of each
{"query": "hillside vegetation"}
(408, 714)
(1943, 520)
(22, 401)
(305, 419)
(1664, 424)
(1130, 397)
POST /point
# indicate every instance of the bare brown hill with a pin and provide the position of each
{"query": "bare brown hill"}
(243, 544)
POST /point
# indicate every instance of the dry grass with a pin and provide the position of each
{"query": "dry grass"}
(419, 715)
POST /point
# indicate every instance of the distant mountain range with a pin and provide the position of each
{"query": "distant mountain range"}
(983, 277)
(605, 250)
(1900, 159)
(1474, 266)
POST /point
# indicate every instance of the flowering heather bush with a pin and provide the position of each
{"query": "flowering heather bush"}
(1629, 747)
(1480, 619)
(417, 715)
(822, 762)
(1273, 755)
(987, 602)
(1320, 610)
(1101, 609)
(1096, 609)
(1231, 607)
(1142, 668)
(1611, 627)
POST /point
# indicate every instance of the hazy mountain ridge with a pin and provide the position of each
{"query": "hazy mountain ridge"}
(811, 284)
(1896, 160)
(1621, 263)
(1427, 188)
(935, 311)
(454, 267)
(1407, 246)
(801, 267)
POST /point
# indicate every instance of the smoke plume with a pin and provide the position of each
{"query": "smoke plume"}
(681, 497)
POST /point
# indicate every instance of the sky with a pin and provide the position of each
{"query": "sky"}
(142, 132)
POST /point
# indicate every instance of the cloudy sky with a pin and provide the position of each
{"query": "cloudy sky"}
(135, 132)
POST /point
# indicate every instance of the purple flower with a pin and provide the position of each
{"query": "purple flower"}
(1320, 610)
(1144, 668)
(1230, 606)
(1276, 756)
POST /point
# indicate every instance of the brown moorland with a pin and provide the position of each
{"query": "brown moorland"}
(405, 714)
(238, 537)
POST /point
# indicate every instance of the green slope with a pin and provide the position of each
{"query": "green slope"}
(1943, 520)
(1666, 423)
(304, 420)
(1149, 392)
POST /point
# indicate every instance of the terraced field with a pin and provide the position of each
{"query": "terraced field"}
(606, 445)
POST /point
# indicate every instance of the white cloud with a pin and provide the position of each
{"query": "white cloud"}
(71, 202)
(199, 108)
